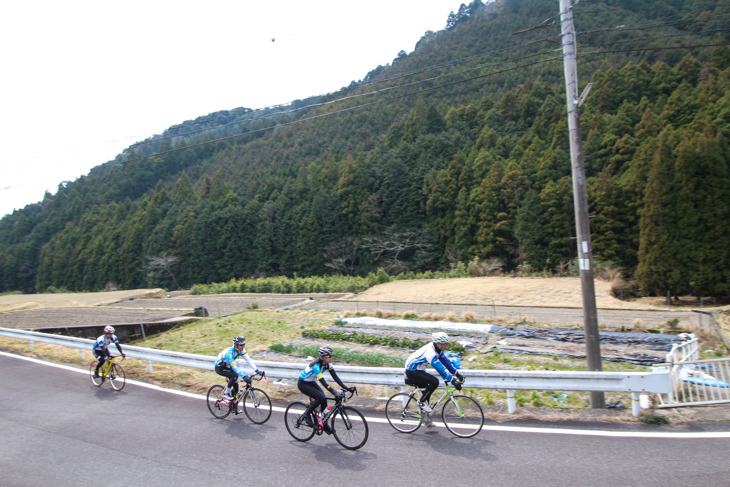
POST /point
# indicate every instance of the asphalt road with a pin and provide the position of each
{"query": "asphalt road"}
(57, 429)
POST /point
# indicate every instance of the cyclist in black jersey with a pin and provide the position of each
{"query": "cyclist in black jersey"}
(307, 383)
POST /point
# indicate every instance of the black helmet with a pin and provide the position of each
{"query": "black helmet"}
(325, 352)
(239, 340)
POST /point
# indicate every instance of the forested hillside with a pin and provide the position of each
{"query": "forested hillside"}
(455, 151)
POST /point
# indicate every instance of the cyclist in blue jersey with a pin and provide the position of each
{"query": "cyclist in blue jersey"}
(433, 355)
(225, 365)
(307, 383)
(101, 347)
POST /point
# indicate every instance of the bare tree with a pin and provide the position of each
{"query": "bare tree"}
(163, 262)
(390, 248)
(340, 255)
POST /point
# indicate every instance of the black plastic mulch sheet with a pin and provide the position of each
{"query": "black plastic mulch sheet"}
(652, 340)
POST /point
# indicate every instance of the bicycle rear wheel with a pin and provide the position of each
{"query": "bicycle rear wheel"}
(257, 405)
(349, 427)
(218, 407)
(403, 413)
(97, 381)
(295, 424)
(117, 377)
(463, 416)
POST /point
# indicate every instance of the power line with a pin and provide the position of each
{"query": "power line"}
(545, 23)
(654, 49)
(359, 95)
(376, 102)
(255, 119)
(629, 27)
(726, 29)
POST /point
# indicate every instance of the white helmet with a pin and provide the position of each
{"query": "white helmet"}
(440, 337)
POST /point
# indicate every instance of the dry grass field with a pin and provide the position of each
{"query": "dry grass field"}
(510, 291)
(500, 291)
(21, 302)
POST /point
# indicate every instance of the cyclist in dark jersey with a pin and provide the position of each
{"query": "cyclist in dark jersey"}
(307, 382)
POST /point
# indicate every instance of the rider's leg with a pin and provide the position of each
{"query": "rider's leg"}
(312, 390)
(232, 379)
(101, 356)
(424, 380)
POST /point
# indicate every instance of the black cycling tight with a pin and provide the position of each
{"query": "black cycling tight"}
(312, 390)
(423, 379)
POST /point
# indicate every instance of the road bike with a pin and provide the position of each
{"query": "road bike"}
(461, 415)
(346, 423)
(250, 400)
(109, 370)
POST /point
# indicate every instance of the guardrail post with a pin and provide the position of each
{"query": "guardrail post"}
(636, 404)
(149, 366)
(81, 353)
(31, 344)
(511, 403)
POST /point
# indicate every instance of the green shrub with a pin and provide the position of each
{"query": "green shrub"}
(536, 399)
(488, 398)
(654, 419)
(520, 399)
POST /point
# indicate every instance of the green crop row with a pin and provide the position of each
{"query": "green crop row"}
(343, 355)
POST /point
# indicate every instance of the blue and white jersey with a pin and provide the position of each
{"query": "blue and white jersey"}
(429, 355)
(102, 343)
(314, 372)
(229, 355)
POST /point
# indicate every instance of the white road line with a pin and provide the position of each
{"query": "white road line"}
(509, 429)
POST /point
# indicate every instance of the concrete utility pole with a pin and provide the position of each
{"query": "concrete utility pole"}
(580, 195)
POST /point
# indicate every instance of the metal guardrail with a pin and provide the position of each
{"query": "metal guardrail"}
(510, 380)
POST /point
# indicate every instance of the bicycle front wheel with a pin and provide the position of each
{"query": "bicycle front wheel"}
(218, 407)
(257, 405)
(117, 377)
(295, 424)
(99, 380)
(403, 413)
(463, 416)
(349, 427)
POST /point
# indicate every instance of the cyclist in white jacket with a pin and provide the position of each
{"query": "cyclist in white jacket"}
(433, 355)
(101, 347)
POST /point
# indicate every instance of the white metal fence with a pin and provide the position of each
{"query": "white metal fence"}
(510, 380)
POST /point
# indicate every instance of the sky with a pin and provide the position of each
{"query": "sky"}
(82, 80)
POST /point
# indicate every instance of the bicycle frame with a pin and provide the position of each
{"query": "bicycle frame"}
(339, 404)
(461, 414)
(249, 400)
(348, 426)
(418, 394)
(107, 367)
(242, 392)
